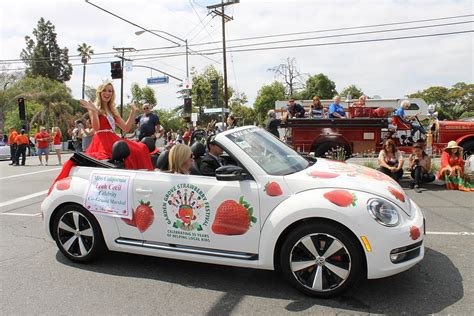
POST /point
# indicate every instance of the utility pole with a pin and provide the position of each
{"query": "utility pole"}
(225, 18)
(122, 58)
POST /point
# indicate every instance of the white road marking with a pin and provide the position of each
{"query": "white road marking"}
(29, 173)
(451, 233)
(21, 214)
(23, 198)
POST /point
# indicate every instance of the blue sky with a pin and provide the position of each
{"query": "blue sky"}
(390, 69)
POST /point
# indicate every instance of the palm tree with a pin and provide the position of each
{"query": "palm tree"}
(85, 51)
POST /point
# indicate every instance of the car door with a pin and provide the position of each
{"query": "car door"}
(198, 211)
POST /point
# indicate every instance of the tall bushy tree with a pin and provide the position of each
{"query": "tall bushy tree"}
(319, 85)
(143, 95)
(9, 93)
(43, 57)
(85, 51)
(352, 91)
(267, 95)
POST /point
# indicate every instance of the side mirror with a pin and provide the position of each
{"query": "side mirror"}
(230, 173)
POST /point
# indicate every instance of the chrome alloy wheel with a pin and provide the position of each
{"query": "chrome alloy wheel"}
(75, 234)
(320, 262)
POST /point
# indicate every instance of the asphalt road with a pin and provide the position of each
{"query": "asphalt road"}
(36, 279)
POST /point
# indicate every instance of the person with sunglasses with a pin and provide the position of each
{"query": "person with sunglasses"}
(148, 123)
(211, 160)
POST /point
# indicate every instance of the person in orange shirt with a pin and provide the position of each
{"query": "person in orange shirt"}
(22, 142)
(12, 144)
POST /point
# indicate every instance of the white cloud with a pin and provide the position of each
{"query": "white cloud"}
(389, 69)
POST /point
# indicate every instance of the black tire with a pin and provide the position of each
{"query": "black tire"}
(77, 234)
(468, 148)
(325, 150)
(321, 260)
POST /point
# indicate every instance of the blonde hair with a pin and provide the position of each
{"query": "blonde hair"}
(178, 155)
(110, 106)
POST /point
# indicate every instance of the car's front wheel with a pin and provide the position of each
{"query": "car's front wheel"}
(321, 260)
(77, 234)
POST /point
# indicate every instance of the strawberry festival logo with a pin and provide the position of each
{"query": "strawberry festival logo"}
(186, 210)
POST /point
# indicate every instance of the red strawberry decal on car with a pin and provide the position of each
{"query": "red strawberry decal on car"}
(233, 218)
(397, 194)
(142, 217)
(273, 189)
(341, 198)
(323, 174)
(414, 232)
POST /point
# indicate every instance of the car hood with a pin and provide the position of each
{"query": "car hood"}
(346, 176)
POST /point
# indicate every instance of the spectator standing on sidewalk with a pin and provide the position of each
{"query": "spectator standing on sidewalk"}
(77, 136)
(391, 160)
(22, 142)
(148, 123)
(420, 167)
(57, 143)
(42, 145)
(12, 144)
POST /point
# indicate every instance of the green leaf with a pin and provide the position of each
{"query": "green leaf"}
(245, 204)
(250, 210)
(253, 219)
(241, 200)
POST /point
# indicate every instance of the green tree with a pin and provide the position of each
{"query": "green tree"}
(9, 93)
(318, 85)
(143, 95)
(55, 98)
(85, 51)
(170, 119)
(451, 103)
(353, 91)
(201, 91)
(44, 57)
(267, 95)
(244, 114)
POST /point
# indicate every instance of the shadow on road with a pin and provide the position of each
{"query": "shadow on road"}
(427, 288)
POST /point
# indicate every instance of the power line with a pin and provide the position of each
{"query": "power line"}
(340, 29)
(76, 57)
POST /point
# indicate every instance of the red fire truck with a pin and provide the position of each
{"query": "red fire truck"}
(365, 134)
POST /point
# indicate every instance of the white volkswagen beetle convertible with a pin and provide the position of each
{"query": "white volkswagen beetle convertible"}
(324, 224)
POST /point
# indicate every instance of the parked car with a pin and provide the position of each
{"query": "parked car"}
(4, 152)
(325, 224)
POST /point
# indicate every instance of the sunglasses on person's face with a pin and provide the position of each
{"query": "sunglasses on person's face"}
(146, 108)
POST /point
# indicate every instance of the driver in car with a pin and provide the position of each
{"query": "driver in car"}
(211, 160)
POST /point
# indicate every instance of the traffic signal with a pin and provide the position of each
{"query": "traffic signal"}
(116, 69)
(21, 108)
(188, 105)
(215, 91)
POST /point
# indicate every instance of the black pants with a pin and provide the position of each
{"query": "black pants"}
(13, 149)
(420, 177)
(394, 175)
(21, 151)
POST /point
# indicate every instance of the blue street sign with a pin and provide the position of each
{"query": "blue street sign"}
(158, 80)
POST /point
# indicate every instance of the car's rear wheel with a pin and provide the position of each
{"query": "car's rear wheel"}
(77, 234)
(321, 260)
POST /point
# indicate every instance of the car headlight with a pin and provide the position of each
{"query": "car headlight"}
(385, 213)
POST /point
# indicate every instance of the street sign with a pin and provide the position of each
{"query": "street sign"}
(128, 65)
(158, 80)
(187, 84)
(216, 110)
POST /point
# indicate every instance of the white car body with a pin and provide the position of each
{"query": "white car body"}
(5, 152)
(302, 197)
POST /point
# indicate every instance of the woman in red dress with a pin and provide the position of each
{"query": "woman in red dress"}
(452, 169)
(104, 117)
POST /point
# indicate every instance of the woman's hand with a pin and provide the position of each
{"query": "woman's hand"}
(133, 107)
(88, 105)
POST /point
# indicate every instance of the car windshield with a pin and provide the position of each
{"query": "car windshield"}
(269, 153)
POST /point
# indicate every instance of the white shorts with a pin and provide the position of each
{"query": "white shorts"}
(57, 147)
